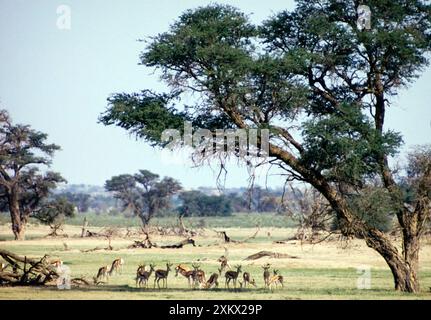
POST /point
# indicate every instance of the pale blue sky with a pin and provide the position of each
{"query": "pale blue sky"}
(58, 81)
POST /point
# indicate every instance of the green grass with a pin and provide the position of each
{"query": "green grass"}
(237, 220)
(324, 271)
(300, 283)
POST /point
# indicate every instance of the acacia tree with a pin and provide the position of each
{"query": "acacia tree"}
(143, 193)
(317, 82)
(53, 213)
(22, 187)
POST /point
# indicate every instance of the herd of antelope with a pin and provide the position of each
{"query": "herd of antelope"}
(196, 277)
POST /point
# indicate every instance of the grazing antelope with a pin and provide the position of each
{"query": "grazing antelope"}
(102, 274)
(212, 281)
(143, 275)
(232, 276)
(248, 280)
(185, 272)
(224, 264)
(198, 275)
(266, 274)
(116, 266)
(162, 275)
(275, 280)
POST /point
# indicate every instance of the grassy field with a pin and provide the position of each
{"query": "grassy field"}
(323, 271)
(239, 220)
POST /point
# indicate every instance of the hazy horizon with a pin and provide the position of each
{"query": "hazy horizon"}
(58, 82)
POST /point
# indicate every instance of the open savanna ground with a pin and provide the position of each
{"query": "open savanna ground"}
(327, 270)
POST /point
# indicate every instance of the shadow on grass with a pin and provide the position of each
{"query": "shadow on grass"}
(258, 293)
(150, 289)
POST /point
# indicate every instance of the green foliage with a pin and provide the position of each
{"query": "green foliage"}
(236, 220)
(207, 42)
(325, 34)
(23, 188)
(144, 193)
(55, 211)
(23, 146)
(416, 184)
(309, 73)
(345, 146)
(36, 187)
(80, 200)
(146, 114)
(374, 206)
(196, 203)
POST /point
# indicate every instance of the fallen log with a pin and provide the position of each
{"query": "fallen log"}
(148, 245)
(273, 255)
(109, 248)
(90, 234)
(141, 245)
(227, 239)
(179, 245)
(144, 244)
(27, 271)
(80, 282)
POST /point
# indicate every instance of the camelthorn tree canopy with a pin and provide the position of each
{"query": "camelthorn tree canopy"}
(23, 188)
(321, 85)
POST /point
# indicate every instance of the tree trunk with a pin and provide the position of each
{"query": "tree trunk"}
(145, 219)
(405, 277)
(84, 227)
(404, 267)
(18, 224)
(411, 247)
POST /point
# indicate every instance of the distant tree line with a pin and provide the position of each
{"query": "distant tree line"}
(145, 194)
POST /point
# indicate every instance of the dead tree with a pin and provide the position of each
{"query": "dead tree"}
(179, 245)
(270, 254)
(145, 244)
(312, 212)
(226, 239)
(183, 230)
(84, 227)
(27, 271)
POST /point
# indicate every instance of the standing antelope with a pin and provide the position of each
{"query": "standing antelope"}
(232, 275)
(224, 264)
(198, 275)
(102, 274)
(275, 280)
(117, 266)
(248, 280)
(212, 281)
(143, 275)
(266, 274)
(185, 272)
(162, 275)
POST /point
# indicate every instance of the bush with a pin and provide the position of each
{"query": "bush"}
(196, 203)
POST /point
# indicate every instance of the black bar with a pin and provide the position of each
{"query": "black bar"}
(220, 309)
